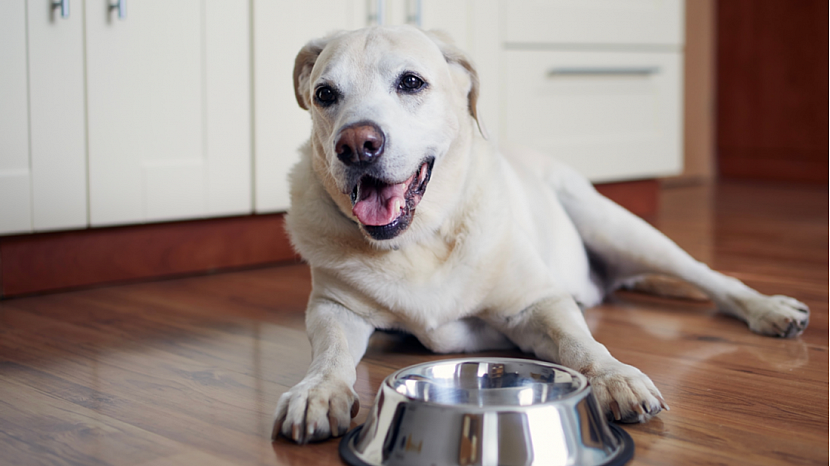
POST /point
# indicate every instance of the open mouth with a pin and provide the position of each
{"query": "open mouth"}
(385, 210)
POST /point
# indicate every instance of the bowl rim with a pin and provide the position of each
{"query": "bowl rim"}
(581, 391)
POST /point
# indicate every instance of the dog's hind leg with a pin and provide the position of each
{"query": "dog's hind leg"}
(628, 247)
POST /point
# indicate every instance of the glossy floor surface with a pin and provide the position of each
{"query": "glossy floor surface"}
(188, 371)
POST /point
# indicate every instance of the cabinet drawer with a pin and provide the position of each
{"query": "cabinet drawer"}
(646, 22)
(610, 115)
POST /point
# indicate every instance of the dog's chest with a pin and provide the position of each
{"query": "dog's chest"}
(425, 285)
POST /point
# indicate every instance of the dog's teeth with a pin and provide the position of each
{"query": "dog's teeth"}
(397, 206)
(354, 194)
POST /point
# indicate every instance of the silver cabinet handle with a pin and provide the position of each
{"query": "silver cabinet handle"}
(625, 71)
(63, 5)
(121, 6)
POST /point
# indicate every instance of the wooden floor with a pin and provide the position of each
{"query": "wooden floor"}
(188, 371)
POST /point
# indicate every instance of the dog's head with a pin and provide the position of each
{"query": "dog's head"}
(388, 104)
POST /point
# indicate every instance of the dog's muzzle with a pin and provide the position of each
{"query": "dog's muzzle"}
(386, 209)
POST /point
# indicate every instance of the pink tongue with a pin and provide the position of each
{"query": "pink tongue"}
(379, 205)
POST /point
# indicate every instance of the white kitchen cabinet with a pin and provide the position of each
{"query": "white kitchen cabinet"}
(596, 84)
(168, 98)
(109, 120)
(15, 172)
(57, 119)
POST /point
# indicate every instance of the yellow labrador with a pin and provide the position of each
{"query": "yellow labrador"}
(411, 220)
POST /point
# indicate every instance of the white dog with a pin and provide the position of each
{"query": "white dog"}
(411, 220)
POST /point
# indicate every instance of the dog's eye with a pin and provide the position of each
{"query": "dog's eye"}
(410, 83)
(325, 95)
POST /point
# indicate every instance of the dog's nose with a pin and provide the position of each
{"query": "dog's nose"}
(359, 143)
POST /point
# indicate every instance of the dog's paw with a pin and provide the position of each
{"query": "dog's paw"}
(624, 393)
(315, 409)
(777, 316)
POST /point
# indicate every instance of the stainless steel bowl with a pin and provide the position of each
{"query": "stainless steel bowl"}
(486, 411)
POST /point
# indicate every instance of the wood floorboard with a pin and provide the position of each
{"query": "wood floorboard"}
(188, 371)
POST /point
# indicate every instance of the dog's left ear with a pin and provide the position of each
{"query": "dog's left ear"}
(456, 56)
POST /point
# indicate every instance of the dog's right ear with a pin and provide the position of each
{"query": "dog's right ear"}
(303, 65)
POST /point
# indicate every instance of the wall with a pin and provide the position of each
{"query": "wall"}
(699, 95)
(772, 59)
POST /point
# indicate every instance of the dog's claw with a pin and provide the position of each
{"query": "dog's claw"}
(275, 431)
(615, 409)
(335, 429)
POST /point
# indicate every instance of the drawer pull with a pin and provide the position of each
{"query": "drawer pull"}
(627, 71)
(63, 5)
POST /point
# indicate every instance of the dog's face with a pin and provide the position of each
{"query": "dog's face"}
(387, 106)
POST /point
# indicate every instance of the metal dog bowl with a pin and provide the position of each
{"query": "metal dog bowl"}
(486, 411)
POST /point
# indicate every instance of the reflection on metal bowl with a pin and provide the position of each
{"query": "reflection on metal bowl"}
(486, 411)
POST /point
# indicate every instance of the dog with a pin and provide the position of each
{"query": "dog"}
(411, 220)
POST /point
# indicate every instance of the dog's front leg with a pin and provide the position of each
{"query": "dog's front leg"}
(323, 403)
(555, 330)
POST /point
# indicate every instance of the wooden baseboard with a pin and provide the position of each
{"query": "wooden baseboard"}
(45, 262)
(641, 197)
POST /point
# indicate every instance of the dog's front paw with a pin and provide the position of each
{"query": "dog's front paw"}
(315, 409)
(777, 316)
(624, 393)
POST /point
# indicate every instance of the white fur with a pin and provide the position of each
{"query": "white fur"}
(497, 252)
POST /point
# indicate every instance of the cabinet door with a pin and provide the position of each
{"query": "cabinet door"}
(611, 115)
(15, 178)
(57, 119)
(281, 28)
(168, 109)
